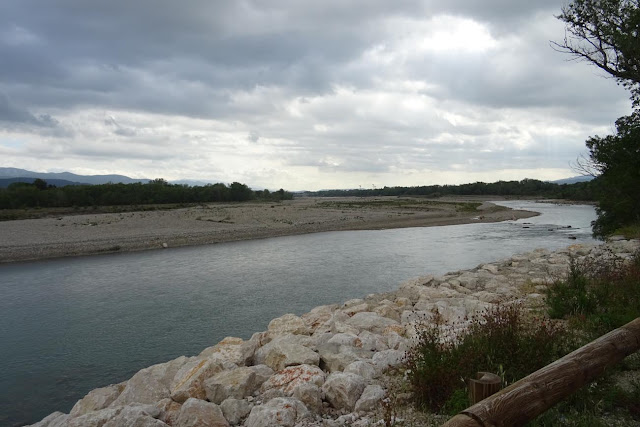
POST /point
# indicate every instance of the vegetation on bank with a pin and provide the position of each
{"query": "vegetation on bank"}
(512, 341)
(582, 191)
(40, 195)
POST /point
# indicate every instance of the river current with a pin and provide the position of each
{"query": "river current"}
(73, 324)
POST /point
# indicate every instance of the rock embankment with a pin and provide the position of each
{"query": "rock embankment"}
(325, 367)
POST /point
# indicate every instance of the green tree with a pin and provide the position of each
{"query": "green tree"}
(606, 33)
(617, 160)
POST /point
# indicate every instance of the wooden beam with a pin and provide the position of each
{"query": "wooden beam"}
(524, 400)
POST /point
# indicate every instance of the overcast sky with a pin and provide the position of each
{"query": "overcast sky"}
(297, 94)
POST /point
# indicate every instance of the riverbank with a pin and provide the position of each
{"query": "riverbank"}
(325, 367)
(90, 233)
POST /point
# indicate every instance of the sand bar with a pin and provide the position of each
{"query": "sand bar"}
(86, 234)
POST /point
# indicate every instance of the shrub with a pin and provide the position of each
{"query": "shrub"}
(500, 340)
(598, 295)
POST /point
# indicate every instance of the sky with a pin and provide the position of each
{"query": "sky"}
(297, 94)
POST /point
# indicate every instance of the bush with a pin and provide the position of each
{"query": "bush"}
(500, 340)
(598, 295)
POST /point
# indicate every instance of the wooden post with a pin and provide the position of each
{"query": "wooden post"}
(524, 400)
(484, 385)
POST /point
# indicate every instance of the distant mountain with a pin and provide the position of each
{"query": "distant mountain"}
(193, 182)
(5, 182)
(68, 176)
(573, 180)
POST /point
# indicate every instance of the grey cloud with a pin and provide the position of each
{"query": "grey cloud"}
(12, 115)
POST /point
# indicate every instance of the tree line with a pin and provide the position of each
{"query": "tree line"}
(39, 194)
(583, 191)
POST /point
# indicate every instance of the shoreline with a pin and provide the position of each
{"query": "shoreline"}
(94, 234)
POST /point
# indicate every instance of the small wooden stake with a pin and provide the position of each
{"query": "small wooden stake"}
(484, 385)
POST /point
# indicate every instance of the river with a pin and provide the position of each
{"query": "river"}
(73, 324)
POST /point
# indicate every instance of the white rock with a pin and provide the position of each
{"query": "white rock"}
(235, 350)
(336, 358)
(342, 390)
(138, 416)
(235, 410)
(263, 372)
(318, 316)
(200, 413)
(236, 383)
(293, 377)
(55, 419)
(169, 410)
(372, 342)
(370, 399)
(97, 399)
(370, 322)
(388, 359)
(94, 419)
(288, 324)
(151, 384)
(279, 353)
(363, 368)
(280, 411)
(309, 394)
(189, 381)
(345, 339)
(359, 308)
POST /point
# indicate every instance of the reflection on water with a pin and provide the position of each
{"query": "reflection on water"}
(73, 324)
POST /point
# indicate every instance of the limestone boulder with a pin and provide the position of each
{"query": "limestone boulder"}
(342, 390)
(280, 411)
(335, 358)
(151, 384)
(288, 324)
(309, 394)
(318, 316)
(235, 410)
(280, 353)
(369, 321)
(200, 413)
(289, 379)
(55, 419)
(388, 359)
(169, 411)
(189, 380)
(95, 418)
(235, 350)
(236, 383)
(370, 398)
(366, 369)
(372, 342)
(138, 416)
(97, 399)
(344, 339)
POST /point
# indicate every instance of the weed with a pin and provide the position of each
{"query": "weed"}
(500, 339)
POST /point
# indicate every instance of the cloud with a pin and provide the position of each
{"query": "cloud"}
(297, 94)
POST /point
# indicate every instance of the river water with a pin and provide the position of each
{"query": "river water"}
(73, 324)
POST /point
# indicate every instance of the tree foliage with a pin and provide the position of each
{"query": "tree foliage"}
(527, 187)
(157, 191)
(617, 159)
(606, 33)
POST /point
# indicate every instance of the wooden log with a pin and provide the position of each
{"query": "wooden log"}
(524, 400)
(484, 385)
